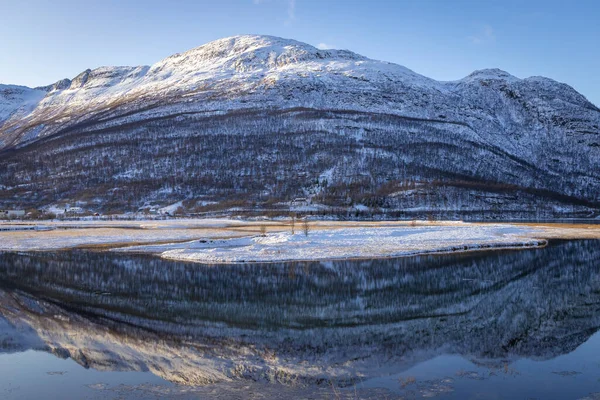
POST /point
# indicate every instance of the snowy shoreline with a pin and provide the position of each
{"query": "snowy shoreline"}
(226, 241)
(441, 251)
(347, 243)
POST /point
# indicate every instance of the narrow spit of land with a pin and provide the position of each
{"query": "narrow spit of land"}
(230, 240)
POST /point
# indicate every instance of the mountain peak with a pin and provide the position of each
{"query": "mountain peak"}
(490, 74)
(251, 52)
(242, 44)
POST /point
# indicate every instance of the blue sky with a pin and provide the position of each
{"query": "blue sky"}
(43, 41)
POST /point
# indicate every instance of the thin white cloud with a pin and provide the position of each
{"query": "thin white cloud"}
(324, 46)
(485, 35)
(291, 10)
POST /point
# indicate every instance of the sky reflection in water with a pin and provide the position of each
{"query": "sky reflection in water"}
(499, 325)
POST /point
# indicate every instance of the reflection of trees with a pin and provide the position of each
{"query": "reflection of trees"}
(535, 303)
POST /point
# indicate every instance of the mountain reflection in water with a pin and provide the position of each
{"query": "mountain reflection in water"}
(309, 322)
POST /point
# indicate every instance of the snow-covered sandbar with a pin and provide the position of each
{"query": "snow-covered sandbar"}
(231, 241)
(343, 243)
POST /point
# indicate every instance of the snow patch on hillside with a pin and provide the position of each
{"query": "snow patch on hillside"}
(18, 100)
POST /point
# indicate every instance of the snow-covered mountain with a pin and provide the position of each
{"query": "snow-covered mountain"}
(261, 119)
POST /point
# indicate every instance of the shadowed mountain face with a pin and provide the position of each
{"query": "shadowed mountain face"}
(260, 120)
(308, 322)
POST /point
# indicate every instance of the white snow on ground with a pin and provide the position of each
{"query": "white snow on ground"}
(180, 223)
(198, 245)
(52, 235)
(56, 239)
(172, 208)
(350, 243)
(307, 207)
(228, 240)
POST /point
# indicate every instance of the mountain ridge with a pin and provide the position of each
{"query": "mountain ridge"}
(535, 133)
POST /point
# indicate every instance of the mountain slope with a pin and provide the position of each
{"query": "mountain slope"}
(264, 120)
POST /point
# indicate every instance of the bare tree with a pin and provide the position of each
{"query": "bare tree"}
(305, 226)
(430, 216)
(293, 222)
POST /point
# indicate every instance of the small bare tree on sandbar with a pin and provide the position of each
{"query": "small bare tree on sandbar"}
(305, 226)
(293, 222)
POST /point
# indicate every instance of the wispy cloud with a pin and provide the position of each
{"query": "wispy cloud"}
(291, 11)
(291, 8)
(485, 35)
(324, 46)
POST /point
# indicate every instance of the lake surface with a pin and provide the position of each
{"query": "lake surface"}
(489, 325)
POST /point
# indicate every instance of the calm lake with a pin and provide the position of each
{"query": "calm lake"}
(490, 325)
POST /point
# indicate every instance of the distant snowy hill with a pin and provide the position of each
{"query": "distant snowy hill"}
(260, 120)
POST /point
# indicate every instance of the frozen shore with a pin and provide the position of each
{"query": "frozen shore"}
(58, 235)
(230, 241)
(361, 242)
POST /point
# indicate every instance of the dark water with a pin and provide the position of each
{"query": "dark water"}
(493, 325)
